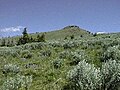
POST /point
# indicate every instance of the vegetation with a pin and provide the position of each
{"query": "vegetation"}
(60, 60)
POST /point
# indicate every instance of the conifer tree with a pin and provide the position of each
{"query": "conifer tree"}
(25, 38)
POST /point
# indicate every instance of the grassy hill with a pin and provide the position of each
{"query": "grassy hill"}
(83, 63)
(65, 32)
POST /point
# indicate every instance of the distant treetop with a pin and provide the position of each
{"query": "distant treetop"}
(24, 31)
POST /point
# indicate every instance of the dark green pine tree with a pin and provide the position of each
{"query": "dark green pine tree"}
(25, 38)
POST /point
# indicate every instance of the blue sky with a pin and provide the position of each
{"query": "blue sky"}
(47, 15)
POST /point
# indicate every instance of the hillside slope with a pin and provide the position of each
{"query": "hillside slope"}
(65, 32)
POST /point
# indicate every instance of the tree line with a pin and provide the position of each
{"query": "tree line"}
(25, 38)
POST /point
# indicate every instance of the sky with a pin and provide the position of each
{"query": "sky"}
(47, 15)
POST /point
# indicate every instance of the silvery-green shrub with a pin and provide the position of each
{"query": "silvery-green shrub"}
(55, 44)
(13, 80)
(111, 53)
(10, 69)
(27, 80)
(65, 54)
(84, 76)
(77, 56)
(9, 51)
(70, 44)
(46, 53)
(17, 82)
(111, 75)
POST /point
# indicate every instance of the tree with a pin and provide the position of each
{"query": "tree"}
(25, 31)
(31, 39)
(8, 43)
(19, 41)
(38, 38)
(41, 38)
(25, 38)
(3, 42)
(95, 34)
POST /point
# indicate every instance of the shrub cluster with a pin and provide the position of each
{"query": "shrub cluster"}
(85, 76)
(112, 53)
(13, 79)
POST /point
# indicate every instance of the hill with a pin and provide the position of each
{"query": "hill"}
(65, 32)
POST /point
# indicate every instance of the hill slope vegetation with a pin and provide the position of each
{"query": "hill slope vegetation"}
(87, 62)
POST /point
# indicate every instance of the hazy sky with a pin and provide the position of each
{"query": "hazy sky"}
(46, 15)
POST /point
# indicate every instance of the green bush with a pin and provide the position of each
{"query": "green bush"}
(77, 56)
(57, 63)
(10, 69)
(63, 55)
(14, 80)
(84, 77)
(111, 75)
(17, 82)
(112, 53)
(26, 54)
(46, 53)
